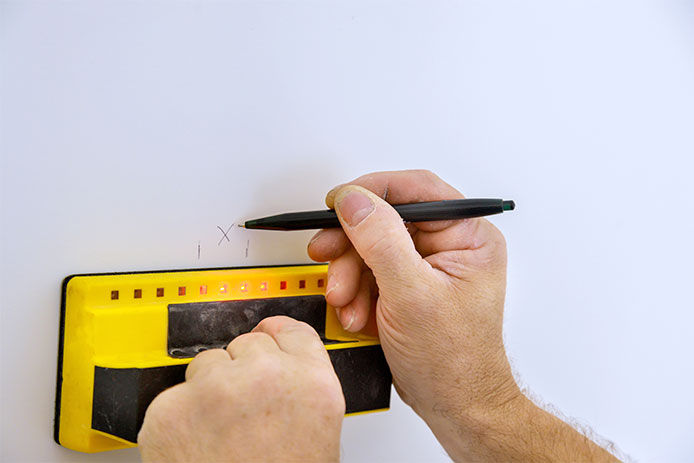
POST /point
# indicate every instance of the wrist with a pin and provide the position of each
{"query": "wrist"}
(465, 418)
(514, 430)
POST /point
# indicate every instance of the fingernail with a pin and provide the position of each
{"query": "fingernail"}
(330, 197)
(332, 284)
(347, 319)
(354, 207)
(315, 237)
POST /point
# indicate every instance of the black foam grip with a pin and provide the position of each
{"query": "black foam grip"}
(198, 326)
(122, 395)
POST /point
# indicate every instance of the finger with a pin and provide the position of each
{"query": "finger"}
(403, 187)
(380, 237)
(466, 234)
(355, 314)
(251, 344)
(328, 244)
(204, 360)
(343, 278)
(461, 263)
(293, 337)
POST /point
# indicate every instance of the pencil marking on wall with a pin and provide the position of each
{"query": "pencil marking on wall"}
(224, 234)
(248, 242)
(198, 249)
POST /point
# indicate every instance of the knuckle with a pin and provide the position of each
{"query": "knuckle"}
(300, 327)
(427, 173)
(267, 366)
(246, 338)
(215, 372)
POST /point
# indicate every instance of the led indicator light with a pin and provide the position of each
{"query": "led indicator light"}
(283, 285)
(114, 295)
(223, 289)
(203, 289)
(137, 294)
(244, 287)
(263, 286)
(302, 283)
(160, 292)
(181, 290)
(320, 282)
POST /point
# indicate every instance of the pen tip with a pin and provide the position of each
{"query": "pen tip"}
(508, 205)
(241, 225)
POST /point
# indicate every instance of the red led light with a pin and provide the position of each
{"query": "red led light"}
(302, 283)
(203, 289)
(263, 286)
(320, 282)
(181, 290)
(283, 285)
(223, 289)
(244, 287)
(137, 294)
(114, 295)
(160, 292)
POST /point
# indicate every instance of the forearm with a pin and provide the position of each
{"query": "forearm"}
(518, 430)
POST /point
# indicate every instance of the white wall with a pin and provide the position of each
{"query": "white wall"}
(131, 130)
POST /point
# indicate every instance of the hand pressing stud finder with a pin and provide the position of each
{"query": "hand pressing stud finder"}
(434, 293)
(272, 395)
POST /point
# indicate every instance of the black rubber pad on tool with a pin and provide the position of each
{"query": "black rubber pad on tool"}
(364, 376)
(198, 326)
(122, 395)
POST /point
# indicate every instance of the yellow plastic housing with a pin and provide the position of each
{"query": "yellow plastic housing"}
(120, 321)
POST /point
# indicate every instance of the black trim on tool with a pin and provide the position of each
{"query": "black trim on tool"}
(122, 395)
(197, 326)
(61, 328)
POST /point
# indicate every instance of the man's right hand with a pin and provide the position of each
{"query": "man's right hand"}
(434, 293)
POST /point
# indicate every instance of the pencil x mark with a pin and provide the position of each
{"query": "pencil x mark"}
(224, 234)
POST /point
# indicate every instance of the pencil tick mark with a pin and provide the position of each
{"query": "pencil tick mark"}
(248, 242)
(224, 234)
(198, 250)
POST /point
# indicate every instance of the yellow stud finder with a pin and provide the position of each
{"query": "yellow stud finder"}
(125, 337)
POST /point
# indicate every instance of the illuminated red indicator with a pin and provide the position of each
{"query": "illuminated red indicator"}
(320, 282)
(283, 285)
(302, 283)
(263, 286)
(203, 289)
(244, 287)
(114, 295)
(223, 289)
(137, 294)
(160, 292)
(181, 290)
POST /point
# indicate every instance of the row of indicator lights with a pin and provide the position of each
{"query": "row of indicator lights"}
(223, 289)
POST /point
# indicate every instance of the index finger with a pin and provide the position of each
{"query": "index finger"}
(403, 187)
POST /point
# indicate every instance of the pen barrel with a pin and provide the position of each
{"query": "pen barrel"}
(455, 209)
(297, 221)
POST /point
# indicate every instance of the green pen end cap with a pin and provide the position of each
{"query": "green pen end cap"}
(508, 205)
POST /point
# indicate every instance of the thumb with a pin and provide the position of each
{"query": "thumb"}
(379, 235)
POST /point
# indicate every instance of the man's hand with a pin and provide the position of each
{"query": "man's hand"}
(272, 395)
(434, 293)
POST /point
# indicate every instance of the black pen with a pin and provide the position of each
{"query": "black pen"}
(451, 209)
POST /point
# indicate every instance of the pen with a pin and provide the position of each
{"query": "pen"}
(451, 209)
